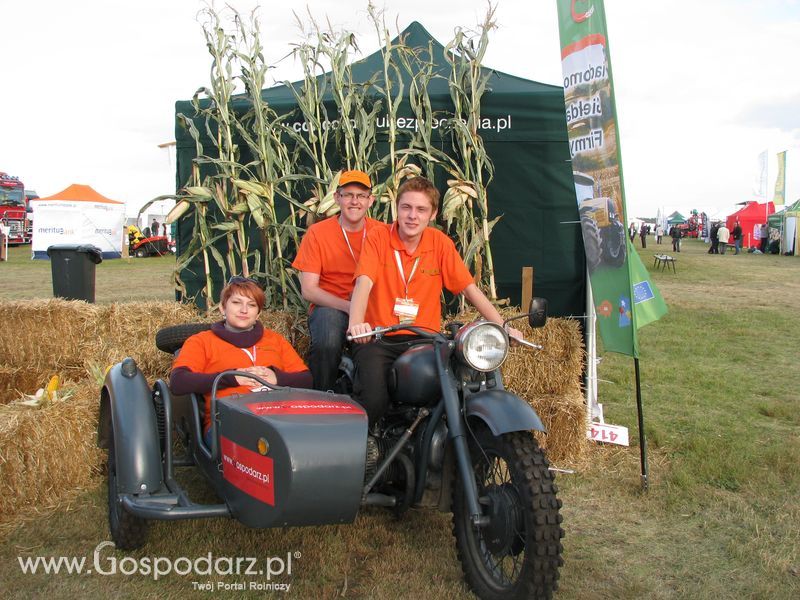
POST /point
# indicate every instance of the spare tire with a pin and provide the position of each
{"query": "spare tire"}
(171, 339)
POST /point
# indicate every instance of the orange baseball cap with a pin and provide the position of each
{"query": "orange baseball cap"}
(355, 177)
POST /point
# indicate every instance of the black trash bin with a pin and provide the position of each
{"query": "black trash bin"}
(73, 269)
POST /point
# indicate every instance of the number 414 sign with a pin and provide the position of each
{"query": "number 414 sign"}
(609, 434)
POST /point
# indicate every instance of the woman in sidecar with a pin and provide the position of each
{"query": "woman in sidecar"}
(238, 342)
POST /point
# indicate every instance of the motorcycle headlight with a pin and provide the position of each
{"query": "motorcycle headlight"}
(483, 345)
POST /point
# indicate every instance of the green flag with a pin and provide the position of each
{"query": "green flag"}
(625, 298)
(780, 183)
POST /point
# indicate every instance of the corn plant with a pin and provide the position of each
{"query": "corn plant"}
(285, 168)
(466, 200)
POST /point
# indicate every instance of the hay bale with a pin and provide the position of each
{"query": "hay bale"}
(564, 417)
(47, 453)
(554, 370)
(129, 329)
(47, 335)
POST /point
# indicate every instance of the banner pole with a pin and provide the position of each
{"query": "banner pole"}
(642, 439)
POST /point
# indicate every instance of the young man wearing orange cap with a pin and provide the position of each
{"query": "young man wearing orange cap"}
(327, 259)
(400, 278)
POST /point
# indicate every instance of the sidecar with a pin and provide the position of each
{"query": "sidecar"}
(273, 455)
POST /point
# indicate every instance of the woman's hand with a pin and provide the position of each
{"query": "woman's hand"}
(265, 373)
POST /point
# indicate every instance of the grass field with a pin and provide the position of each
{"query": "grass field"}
(720, 520)
(120, 280)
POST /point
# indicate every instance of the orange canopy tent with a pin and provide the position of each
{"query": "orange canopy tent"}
(80, 193)
(78, 215)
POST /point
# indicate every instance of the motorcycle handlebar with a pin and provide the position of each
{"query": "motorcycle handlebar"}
(529, 344)
(380, 331)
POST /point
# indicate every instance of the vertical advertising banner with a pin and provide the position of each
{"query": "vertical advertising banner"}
(624, 297)
(780, 183)
(760, 186)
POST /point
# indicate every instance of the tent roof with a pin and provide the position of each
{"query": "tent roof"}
(792, 208)
(530, 101)
(416, 36)
(676, 218)
(79, 193)
(776, 219)
(754, 210)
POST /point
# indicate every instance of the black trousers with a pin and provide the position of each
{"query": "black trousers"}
(373, 363)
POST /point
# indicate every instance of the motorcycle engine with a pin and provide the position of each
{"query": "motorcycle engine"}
(377, 449)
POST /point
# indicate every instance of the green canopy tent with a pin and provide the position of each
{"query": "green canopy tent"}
(676, 218)
(786, 221)
(524, 132)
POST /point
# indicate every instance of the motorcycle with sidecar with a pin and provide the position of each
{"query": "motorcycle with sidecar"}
(453, 439)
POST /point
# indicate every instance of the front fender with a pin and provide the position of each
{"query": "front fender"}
(503, 412)
(127, 412)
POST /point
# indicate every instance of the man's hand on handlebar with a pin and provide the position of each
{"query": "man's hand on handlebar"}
(360, 329)
(514, 335)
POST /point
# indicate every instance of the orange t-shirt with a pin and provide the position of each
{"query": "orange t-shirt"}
(439, 266)
(205, 352)
(323, 250)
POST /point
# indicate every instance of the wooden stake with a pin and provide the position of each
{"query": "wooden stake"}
(527, 287)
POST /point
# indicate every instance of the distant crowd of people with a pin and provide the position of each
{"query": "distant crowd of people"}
(644, 231)
(721, 237)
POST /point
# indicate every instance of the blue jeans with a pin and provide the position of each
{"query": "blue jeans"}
(737, 244)
(327, 327)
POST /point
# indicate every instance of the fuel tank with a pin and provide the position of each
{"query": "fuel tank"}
(292, 457)
(413, 378)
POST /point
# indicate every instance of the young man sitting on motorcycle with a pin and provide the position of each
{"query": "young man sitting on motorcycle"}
(327, 259)
(400, 277)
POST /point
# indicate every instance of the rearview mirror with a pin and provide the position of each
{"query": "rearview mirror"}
(537, 313)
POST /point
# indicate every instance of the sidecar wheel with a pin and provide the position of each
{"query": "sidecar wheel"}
(518, 554)
(128, 531)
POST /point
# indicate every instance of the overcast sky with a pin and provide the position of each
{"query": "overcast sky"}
(702, 88)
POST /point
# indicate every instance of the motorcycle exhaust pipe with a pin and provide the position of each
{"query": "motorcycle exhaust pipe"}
(379, 500)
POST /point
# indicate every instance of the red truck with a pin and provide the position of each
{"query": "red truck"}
(14, 209)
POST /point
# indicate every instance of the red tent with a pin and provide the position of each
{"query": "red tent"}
(750, 217)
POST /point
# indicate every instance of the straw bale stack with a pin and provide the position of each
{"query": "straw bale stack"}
(47, 453)
(564, 416)
(46, 335)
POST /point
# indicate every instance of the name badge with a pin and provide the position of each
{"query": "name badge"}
(405, 309)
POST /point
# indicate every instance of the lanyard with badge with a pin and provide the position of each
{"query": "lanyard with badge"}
(405, 308)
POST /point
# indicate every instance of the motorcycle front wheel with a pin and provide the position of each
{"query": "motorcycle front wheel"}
(518, 554)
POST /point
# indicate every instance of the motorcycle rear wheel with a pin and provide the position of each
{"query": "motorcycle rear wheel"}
(518, 554)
